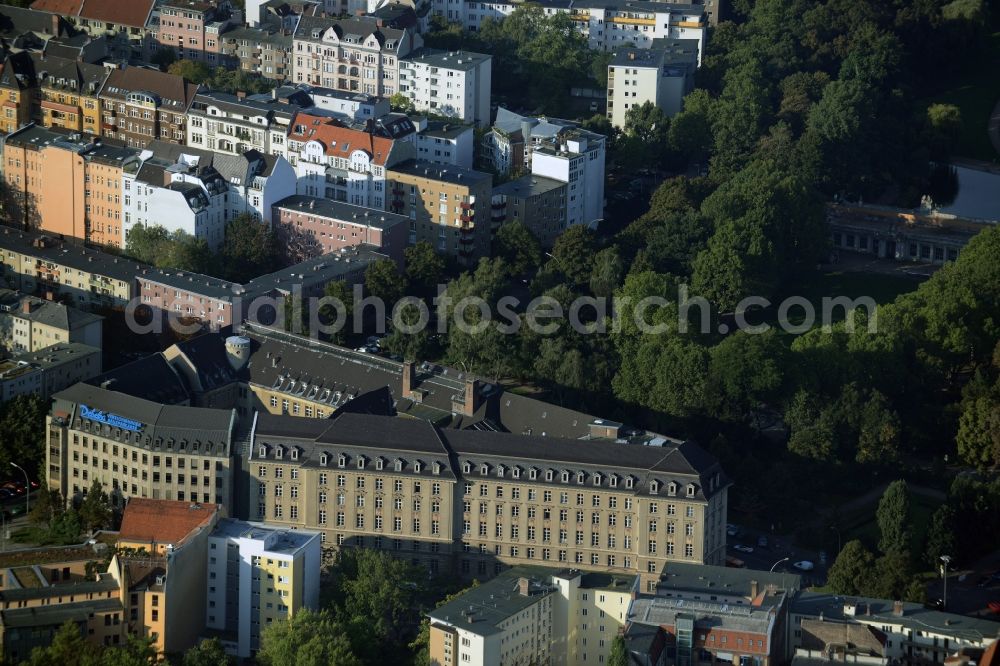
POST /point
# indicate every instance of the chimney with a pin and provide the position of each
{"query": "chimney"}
(409, 378)
(523, 586)
(754, 589)
(471, 396)
(897, 608)
(631, 55)
(241, 94)
(26, 306)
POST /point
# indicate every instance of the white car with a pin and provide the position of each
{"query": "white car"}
(743, 549)
(804, 565)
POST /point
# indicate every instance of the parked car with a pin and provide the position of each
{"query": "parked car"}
(743, 549)
(762, 541)
(804, 565)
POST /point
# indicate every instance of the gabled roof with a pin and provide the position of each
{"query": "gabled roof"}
(340, 141)
(62, 7)
(163, 521)
(133, 13)
(170, 88)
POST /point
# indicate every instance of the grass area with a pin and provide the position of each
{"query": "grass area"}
(45, 556)
(976, 91)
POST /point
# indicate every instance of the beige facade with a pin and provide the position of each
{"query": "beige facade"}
(448, 207)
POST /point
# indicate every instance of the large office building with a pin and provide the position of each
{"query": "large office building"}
(258, 574)
(138, 448)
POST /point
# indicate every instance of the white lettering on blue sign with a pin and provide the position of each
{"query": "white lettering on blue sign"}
(112, 420)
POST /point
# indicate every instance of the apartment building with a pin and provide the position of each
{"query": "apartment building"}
(48, 370)
(532, 614)
(265, 50)
(311, 226)
(56, 270)
(661, 75)
(193, 29)
(342, 163)
(355, 54)
(575, 157)
(257, 575)
(348, 107)
(126, 26)
(233, 125)
(535, 201)
(138, 448)
(445, 143)
(903, 632)
(65, 183)
(386, 483)
(162, 564)
(139, 105)
(199, 191)
(51, 91)
(446, 205)
(511, 141)
(606, 25)
(29, 324)
(455, 84)
(23, 29)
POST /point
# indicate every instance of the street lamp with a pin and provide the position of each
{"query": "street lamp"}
(784, 559)
(944, 574)
(27, 489)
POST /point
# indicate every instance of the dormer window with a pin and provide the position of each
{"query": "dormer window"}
(565, 477)
(580, 476)
(342, 460)
(629, 482)
(484, 469)
(295, 453)
(324, 459)
(516, 472)
(654, 486)
(398, 465)
(548, 475)
(378, 464)
(690, 490)
(467, 468)
(671, 488)
(361, 462)
(262, 452)
(501, 470)
(437, 467)
(417, 466)
(532, 473)
(597, 479)
(279, 453)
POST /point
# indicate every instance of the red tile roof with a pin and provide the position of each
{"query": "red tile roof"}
(340, 141)
(163, 521)
(133, 13)
(61, 7)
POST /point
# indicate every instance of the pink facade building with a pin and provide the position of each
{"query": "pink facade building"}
(193, 29)
(311, 226)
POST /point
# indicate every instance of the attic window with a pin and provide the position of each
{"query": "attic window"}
(342, 461)
(437, 467)
(378, 463)
(613, 481)
(548, 475)
(629, 482)
(690, 490)
(671, 488)
(484, 469)
(500, 471)
(295, 453)
(324, 458)
(467, 468)
(361, 462)
(565, 477)
(263, 452)
(279, 453)
(532, 473)
(580, 477)
(516, 472)
(417, 466)
(597, 479)
(654, 486)
(399, 465)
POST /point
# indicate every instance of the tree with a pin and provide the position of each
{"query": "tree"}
(607, 273)
(194, 71)
(978, 435)
(22, 432)
(375, 601)
(164, 58)
(424, 267)
(893, 575)
(250, 249)
(308, 638)
(208, 652)
(343, 293)
(400, 102)
(944, 124)
(68, 648)
(573, 253)
(520, 248)
(382, 280)
(893, 517)
(852, 569)
(619, 653)
(745, 371)
(95, 510)
(940, 536)
(46, 507)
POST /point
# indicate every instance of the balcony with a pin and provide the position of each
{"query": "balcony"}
(465, 205)
(467, 217)
(633, 21)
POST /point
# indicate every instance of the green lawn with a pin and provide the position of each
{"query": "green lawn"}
(976, 92)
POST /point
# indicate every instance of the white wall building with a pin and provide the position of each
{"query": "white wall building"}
(455, 84)
(257, 575)
(352, 106)
(442, 142)
(662, 76)
(227, 124)
(606, 25)
(576, 158)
